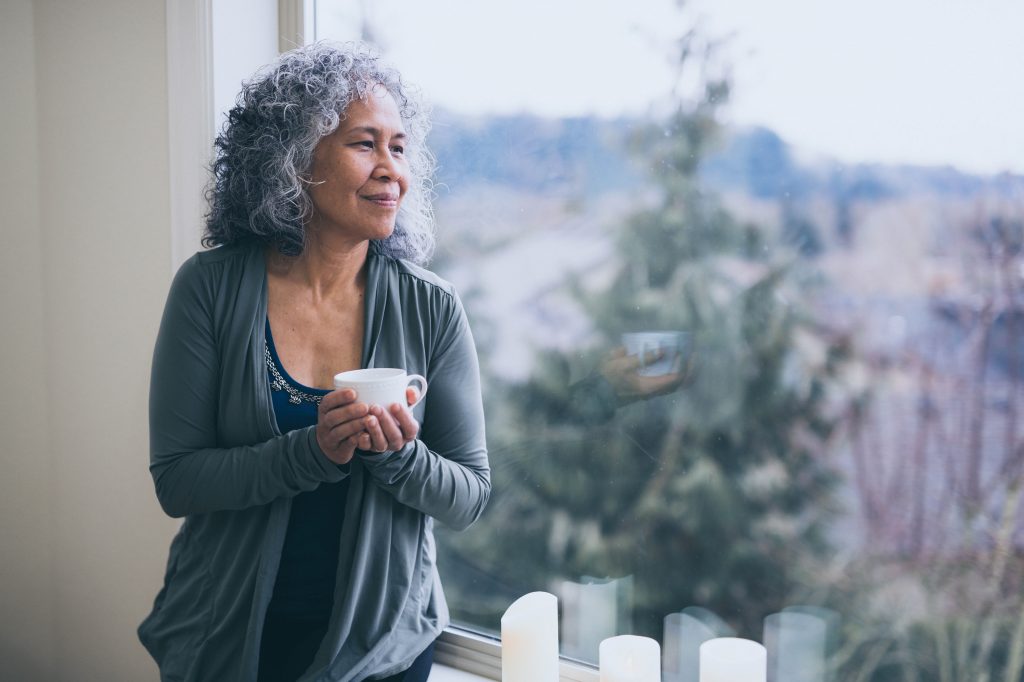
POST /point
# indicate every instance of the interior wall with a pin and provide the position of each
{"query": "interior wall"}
(84, 269)
(26, 628)
(86, 265)
(104, 206)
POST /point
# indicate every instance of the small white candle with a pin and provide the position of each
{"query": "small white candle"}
(529, 639)
(731, 659)
(628, 658)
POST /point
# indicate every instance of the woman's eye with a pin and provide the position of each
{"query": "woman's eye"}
(366, 144)
(398, 149)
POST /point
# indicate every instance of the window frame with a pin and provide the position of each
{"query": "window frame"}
(190, 126)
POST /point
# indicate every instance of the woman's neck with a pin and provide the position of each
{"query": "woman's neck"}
(326, 268)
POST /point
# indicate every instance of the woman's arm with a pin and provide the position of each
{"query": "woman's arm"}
(193, 475)
(445, 472)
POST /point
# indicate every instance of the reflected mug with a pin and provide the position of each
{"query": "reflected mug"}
(381, 386)
(673, 346)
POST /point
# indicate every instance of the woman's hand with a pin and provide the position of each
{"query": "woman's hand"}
(339, 424)
(390, 429)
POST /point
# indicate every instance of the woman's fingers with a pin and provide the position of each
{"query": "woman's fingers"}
(338, 425)
(373, 438)
(336, 399)
(388, 430)
(338, 407)
(381, 431)
(350, 424)
(408, 425)
(346, 413)
(347, 447)
(346, 430)
(345, 425)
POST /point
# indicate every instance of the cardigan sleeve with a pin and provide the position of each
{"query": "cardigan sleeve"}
(445, 472)
(192, 473)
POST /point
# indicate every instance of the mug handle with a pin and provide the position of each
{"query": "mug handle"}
(423, 383)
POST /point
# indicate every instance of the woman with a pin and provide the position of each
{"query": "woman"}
(307, 550)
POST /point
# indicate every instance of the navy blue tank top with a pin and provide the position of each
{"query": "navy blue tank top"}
(309, 559)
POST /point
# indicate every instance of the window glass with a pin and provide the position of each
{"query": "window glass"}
(744, 279)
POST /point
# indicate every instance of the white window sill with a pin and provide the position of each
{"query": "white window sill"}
(442, 673)
(463, 656)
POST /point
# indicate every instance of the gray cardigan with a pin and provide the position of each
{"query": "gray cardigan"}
(218, 460)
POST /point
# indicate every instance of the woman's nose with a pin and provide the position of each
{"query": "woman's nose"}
(387, 167)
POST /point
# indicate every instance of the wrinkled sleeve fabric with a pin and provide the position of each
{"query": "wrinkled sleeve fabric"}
(193, 474)
(445, 472)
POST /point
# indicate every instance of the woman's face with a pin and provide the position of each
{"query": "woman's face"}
(360, 173)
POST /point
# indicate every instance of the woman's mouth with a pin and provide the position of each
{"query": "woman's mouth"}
(383, 200)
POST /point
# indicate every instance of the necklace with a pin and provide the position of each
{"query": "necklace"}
(278, 383)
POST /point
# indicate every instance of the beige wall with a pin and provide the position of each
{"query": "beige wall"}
(84, 206)
(26, 623)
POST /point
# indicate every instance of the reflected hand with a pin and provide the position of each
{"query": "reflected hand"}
(390, 429)
(622, 372)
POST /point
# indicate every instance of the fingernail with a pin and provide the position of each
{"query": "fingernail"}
(370, 421)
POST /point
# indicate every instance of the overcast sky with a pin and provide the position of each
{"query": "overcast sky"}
(916, 81)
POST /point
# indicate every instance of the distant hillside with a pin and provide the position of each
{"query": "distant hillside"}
(590, 156)
(539, 155)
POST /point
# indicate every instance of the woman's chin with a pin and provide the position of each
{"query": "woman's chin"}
(384, 233)
(360, 233)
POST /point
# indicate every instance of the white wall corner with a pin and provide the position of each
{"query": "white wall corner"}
(190, 119)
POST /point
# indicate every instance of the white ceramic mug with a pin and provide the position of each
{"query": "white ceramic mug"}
(380, 385)
(673, 346)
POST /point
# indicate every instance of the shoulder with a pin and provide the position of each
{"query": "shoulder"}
(220, 257)
(422, 277)
(206, 266)
(431, 313)
(204, 277)
(427, 301)
(414, 279)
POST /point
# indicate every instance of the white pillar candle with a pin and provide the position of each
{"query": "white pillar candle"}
(529, 639)
(628, 658)
(731, 659)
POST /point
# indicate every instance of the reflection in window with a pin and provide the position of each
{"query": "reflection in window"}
(831, 460)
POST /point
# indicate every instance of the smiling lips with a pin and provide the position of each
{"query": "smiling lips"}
(383, 200)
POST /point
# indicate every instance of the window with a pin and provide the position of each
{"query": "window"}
(840, 476)
(212, 46)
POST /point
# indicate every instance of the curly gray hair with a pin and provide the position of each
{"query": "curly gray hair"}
(265, 150)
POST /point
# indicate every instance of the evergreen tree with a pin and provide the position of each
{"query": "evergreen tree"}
(715, 495)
